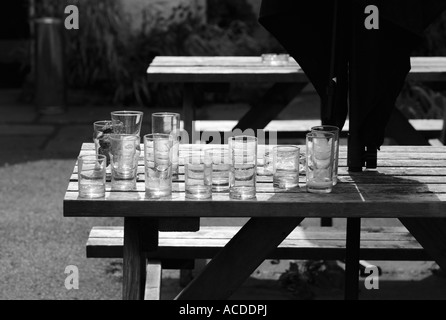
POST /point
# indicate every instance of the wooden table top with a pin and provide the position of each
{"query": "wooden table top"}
(187, 69)
(409, 182)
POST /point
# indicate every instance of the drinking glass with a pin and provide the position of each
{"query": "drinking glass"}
(124, 156)
(286, 167)
(198, 175)
(319, 164)
(101, 135)
(268, 162)
(242, 176)
(158, 165)
(221, 165)
(335, 131)
(91, 176)
(169, 123)
(132, 121)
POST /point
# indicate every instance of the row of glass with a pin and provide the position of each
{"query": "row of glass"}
(219, 168)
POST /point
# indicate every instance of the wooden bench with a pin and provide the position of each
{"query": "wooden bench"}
(178, 250)
(288, 81)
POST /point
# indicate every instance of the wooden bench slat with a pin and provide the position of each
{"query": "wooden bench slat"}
(240, 69)
(376, 244)
(312, 233)
(153, 280)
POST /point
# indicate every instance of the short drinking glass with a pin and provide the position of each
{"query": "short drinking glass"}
(91, 176)
(198, 175)
(124, 156)
(242, 176)
(158, 165)
(286, 167)
(319, 164)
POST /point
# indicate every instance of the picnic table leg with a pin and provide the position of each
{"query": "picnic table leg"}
(267, 108)
(189, 110)
(140, 236)
(239, 258)
(352, 258)
(431, 234)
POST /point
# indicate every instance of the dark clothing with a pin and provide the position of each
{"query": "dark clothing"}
(369, 66)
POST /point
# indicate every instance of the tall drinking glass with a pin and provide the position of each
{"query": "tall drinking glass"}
(158, 165)
(335, 131)
(124, 156)
(132, 121)
(221, 165)
(101, 135)
(242, 176)
(169, 123)
(319, 164)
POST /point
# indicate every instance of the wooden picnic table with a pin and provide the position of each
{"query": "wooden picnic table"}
(409, 184)
(287, 82)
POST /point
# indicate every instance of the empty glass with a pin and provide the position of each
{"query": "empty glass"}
(286, 167)
(101, 135)
(242, 176)
(124, 156)
(221, 165)
(198, 175)
(169, 123)
(319, 164)
(91, 176)
(132, 121)
(335, 131)
(158, 165)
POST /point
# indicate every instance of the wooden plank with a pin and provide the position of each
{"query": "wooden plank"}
(224, 75)
(335, 205)
(233, 69)
(240, 257)
(299, 233)
(298, 249)
(196, 244)
(377, 243)
(153, 280)
(352, 257)
(264, 185)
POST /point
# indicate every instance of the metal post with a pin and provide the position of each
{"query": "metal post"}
(50, 90)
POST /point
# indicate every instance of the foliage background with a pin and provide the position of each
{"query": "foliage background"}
(107, 58)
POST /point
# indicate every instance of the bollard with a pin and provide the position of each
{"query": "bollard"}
(50, 94)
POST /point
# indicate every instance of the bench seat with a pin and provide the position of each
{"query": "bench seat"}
(312, 243)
